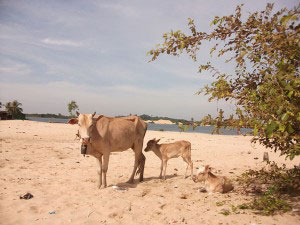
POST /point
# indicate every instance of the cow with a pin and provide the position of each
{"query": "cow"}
(102, 135)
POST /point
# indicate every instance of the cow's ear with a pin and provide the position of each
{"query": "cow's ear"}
(98, 118)
(73, 121)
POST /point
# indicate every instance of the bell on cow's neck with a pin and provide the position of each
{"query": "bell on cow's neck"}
(83, 149)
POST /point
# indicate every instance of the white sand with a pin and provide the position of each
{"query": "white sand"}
(45, 160)
(160, 121)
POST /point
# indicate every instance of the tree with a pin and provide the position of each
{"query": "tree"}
(14, 108)
(72, 107)
(265, 87)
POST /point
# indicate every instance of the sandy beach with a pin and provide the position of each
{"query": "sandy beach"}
(44, 159)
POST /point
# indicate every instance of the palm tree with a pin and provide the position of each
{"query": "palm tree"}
(14, 109)
(72, 106)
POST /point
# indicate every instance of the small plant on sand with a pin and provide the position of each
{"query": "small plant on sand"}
(220, 203)
(269, 203)
(225, 212)
(273, 187)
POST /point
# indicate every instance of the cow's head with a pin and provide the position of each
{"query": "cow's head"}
(86, 123)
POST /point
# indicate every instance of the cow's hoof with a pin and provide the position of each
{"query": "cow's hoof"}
(129, 182)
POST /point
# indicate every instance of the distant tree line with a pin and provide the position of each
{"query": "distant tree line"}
(14, 109)
(47, 115)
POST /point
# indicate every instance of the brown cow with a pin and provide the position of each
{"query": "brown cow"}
(103, 135)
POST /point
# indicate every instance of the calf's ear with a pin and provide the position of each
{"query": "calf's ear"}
(73, 121)
(207, 168)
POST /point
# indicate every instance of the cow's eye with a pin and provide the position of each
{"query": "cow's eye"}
(79, 124)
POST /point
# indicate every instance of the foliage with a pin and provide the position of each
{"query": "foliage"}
(265, 87)
(281, 179)
(269, 203)
(273, 187)
(183, 127)
(14, 108)
(72, 107)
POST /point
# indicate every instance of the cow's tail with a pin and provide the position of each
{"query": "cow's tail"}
(142, 160)
(141, 166)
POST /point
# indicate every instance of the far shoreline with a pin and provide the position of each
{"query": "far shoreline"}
(159, 127)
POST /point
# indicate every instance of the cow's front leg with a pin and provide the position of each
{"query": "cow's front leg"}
(100, 172)
(104, 168)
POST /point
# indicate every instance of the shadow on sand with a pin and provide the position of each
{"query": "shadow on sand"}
(136, 181)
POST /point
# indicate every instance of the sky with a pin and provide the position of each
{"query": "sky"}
(94, 52)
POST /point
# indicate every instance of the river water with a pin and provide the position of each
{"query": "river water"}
(157, 127)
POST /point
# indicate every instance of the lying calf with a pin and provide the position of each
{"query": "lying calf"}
(171, 150)
(212, 182)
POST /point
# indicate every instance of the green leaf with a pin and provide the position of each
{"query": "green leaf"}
(214, 22)
(290, 129)
(285, 117)
(182, 45)
(271, 127)
(255, 130)
(290, 94)
(282, 127)
(243, 53)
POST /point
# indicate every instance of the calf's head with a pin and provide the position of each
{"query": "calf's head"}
(85, 122)
(202, 174)
(152, 145)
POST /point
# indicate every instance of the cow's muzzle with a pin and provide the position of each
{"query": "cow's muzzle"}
(85, 141)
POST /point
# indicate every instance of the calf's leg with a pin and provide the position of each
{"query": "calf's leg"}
(100, 172)
(161, 169)
(165, 167)
(104, 168)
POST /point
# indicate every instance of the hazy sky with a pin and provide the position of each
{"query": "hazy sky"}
(94, 52)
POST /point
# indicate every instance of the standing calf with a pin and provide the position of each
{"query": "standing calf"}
(171, 150)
